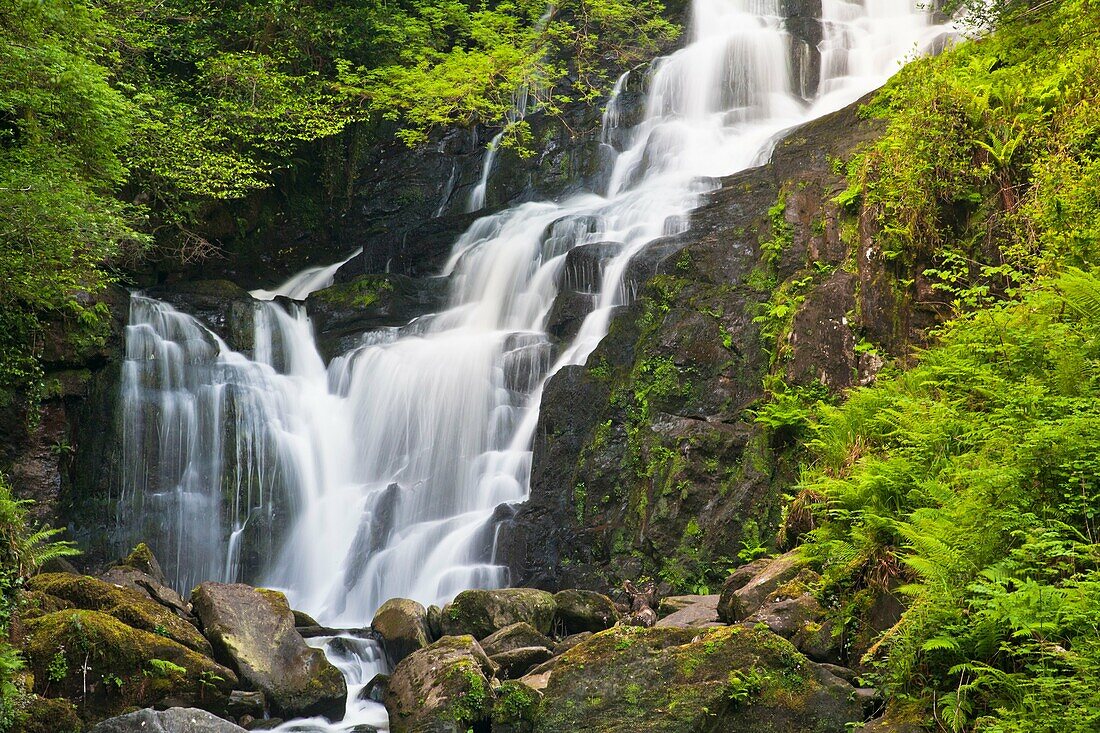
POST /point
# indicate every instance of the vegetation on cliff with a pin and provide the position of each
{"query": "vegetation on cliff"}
(967, 485)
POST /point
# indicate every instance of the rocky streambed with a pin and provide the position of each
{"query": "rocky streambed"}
(122, 652)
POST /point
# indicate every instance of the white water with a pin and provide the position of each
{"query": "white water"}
(388, 463)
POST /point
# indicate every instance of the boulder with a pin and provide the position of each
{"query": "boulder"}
(818, 641)
(584, 610)
(481, 612)
(303, 619)
(515, 663)
(787, 616)
(569, 642)
(672, 604)
(703, 612)
(125, 576)
(515, 707)
(403, 626)
(741, 596)
(254, 632)
(126, 667)
(245, 702)
(517, 635)
(442, 687)
(435, 622)
(172, 720)
(142, 559)
(131, 607)
(731, 679)
(48, 715)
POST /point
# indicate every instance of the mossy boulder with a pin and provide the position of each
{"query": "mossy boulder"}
(675, 680)
(481, 612)
(442, 688)
(514, 708)
(584, 610)
(742, 596)
(48, 715)
(141, 558)
(126, 667)
(403, 626)
(254, 632)
(125, 604)
(138, 580)
(515, 636)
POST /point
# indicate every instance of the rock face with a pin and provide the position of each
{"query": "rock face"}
(443, 688)
(584, 610)
(734, 679)
(481, 612)
(648, 460)
(172, 720)
(403, 626)
(254, 632)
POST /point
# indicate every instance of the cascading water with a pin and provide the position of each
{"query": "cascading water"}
(377, 476)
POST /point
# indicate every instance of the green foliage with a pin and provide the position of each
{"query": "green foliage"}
(22, 551)
(165, 668)
(989, 166)
(969, 483)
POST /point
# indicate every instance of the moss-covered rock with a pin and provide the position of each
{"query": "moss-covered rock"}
(584, 610)
(254, 632)
(48, 715)
(742, 597)
(126, 667)
(403, 626)
(481, 612)
(676, 680)
(442, 688)
(142, 558)
(128, 606)
(515, 636)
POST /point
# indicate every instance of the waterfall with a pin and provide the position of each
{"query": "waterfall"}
(377, 475)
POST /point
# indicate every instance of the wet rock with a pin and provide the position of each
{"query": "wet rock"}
(255, 633)
(223, 307)
(435, 622)
(403, 626)
(740, 599)
(703, 612)
(515, 636)
(375, 690)
(584, 610)
(127, 667)
(301, 618)
(129, 606)
(442, 687)
(343, 312)
(482, 612)
(729, 679)
(173, 720)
